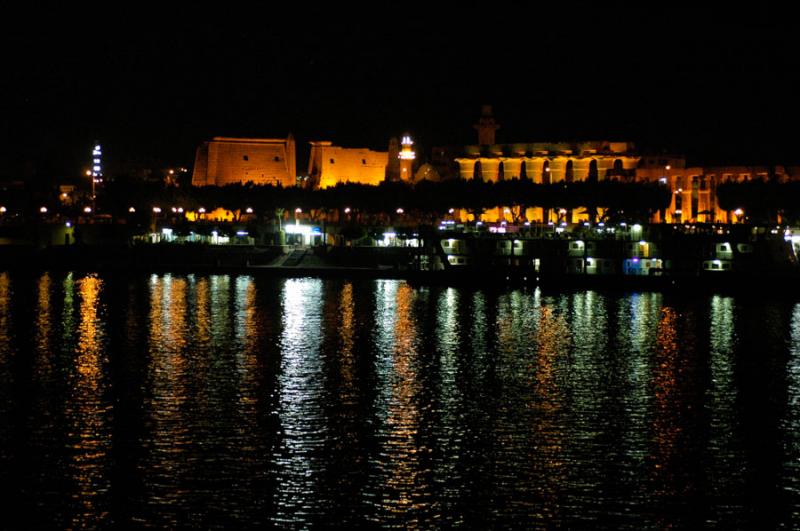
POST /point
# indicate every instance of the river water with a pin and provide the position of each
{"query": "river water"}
(224, 401)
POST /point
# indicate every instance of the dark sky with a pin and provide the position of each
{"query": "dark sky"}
(720, 84)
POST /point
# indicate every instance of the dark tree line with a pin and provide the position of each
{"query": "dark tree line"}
(423, 201)
(762, 201)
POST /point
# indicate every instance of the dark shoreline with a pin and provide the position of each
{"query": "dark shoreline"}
(123, 261)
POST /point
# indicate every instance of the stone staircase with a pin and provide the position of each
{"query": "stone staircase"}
(294, 258)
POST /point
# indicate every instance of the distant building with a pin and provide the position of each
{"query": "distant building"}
(329, 165)
(226, 160)
(694, 197)
(544, 163)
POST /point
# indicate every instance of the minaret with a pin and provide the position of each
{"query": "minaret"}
(96, 171)
(406, 157)
(486, 127)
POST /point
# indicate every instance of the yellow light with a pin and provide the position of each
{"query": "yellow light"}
(3, 210)
(298, 210)
(88, 173)
(738, 211)
(43, 210)
(347, 210)
(400, 210)
(131, 210)
(157, 210)
(249, 210)
(87, 209)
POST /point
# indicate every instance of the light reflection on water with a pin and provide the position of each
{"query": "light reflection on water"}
(228, 401)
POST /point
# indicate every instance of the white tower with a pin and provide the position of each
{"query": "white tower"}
(406, 157)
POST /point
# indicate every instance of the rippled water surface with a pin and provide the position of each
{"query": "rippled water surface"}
(230, 401)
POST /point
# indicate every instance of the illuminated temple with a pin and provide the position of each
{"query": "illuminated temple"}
(693, 188)
(225, 160)
(329, 165)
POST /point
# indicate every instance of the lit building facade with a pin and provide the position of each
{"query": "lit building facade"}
(693, 189)
(226, 160)
(329, 165)
(549, 163)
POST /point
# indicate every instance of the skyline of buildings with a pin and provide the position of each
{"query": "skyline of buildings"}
(225, 160)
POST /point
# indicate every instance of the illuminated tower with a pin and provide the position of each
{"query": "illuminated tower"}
(406, 157)
(97, 169)
(486, 127)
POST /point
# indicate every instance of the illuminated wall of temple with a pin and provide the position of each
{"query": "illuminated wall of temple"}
(549, 162)
(226, 160)
(545, 163)
(693, 189)
(329, 165)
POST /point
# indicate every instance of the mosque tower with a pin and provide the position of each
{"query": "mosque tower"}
(407, 157)
(486, 127)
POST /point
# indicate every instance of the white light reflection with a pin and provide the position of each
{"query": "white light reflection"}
(301, 403)
(726, 457)
(791, 423)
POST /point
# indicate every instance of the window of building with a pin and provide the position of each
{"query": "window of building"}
(277, 159)
(246, 157)
(332, 162)
(363, 161)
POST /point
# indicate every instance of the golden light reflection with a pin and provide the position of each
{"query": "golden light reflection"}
(553, 342)
(5, 318)
(43, 316)
(43, 364)
(6, 354)
(402, 423)
(167, 395)
(665, 373)
(202, 311)
(89, 412)
(167, 329)
(347, 337)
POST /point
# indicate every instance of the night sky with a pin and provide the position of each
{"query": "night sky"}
(720, 85)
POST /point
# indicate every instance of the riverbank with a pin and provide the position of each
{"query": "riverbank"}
(374, 263)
